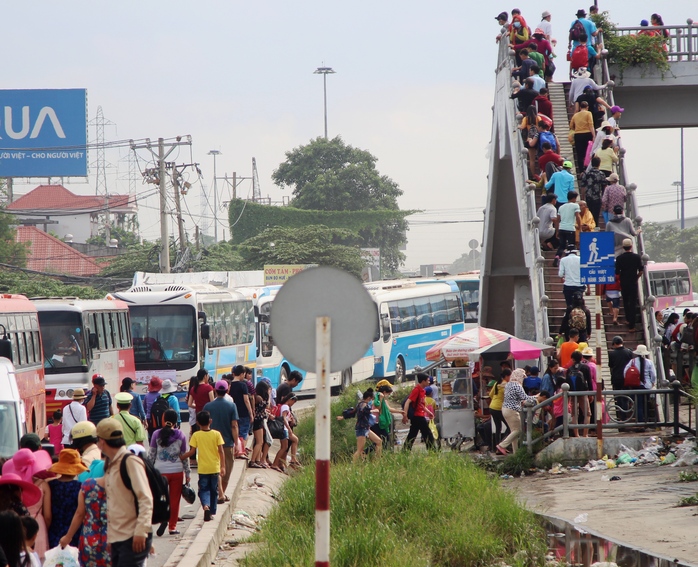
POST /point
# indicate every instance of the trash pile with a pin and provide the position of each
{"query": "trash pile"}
(242, 520)
(654, 452)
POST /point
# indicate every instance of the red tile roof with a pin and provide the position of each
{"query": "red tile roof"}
(49, 254)
(57, 197)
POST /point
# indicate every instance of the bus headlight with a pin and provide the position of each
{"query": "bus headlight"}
(61, 393)
(69, 393)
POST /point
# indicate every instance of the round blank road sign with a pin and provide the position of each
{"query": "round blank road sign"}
(323, 292)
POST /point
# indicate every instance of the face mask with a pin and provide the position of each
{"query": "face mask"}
(517, 25)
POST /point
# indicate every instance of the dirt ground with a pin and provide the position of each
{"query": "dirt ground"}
(639, 510)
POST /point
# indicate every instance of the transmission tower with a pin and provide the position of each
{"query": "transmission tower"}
(99, 122)
(256, 189)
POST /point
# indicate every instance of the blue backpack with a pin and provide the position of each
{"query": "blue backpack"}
(545, 136)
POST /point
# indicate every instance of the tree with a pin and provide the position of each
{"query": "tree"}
(314, 244)
(221, 257)
(329, 175)
(125, 238)
(11, 252)
(33, 285)
(661, 242)
(139, 258)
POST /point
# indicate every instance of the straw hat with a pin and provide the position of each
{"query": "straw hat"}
(69, 463)
(30, 494)
(25, 463)
(588, 352)
(79, 394)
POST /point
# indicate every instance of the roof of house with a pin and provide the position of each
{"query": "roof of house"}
(57, 197)
(49, 254)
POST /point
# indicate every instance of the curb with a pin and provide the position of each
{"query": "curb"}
(199, 545)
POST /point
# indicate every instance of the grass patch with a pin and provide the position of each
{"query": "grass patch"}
(688, 501)
(418, 509)
(685, 476)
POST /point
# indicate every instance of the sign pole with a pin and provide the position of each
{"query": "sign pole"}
(322, 442)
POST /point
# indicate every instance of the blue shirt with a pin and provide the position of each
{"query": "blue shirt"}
(223, 413)
(563, 181)
(137, 407)
(174, 404)
(589, 27)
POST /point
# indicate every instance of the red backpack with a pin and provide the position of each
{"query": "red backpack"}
(580, 57)
(632, 376)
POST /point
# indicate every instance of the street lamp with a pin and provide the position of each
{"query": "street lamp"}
(215, 153)
(324, 71)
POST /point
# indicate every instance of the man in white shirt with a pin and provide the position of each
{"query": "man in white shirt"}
(570, 217)
(547, 229)
(73, 413)
(546, 26)
(569, 272)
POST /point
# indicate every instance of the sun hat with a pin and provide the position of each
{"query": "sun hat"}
(588, 352)
(30, 441)
(615, 108)
(83, 429)
(222, 386)
(155, 384)
(382, 383)
(627, 243)
(26, 463)
(538, 32)
(110, 428)
(613, 177)
(123, 398)
(30, 494)
(98, 380)
(95, 470)
(544, 15)
(518, 375)
(581, 13)
(567, 164)
(581, 73)
(168, 387)
(69, 463)
(78, 394)
(641, 350)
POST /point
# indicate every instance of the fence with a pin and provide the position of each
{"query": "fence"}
(682, 43)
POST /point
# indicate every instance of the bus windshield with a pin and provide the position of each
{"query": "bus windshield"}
(63, 341)
(470, 295)
(163, 333)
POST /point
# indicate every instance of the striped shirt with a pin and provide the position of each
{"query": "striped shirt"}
(513, 396)
(100, 410)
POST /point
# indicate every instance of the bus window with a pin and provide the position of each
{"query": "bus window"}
(454, 308)
(22, 358)
(395, 319)
(438, 308)
(422, 308)
(408, 315)
(683, 282)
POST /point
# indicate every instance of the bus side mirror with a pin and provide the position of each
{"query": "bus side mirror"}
(6, 348)
(205, 331)
(385, 321)
(202, 315)
(94, 343)
(263, 318)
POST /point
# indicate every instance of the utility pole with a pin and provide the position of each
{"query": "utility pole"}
(159, 176)
(178, 207)
(215, 153)
(324, 71)
(683, 180)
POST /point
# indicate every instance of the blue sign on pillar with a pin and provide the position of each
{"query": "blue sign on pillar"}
(597, 258)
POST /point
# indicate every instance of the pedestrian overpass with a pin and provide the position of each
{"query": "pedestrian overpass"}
(520, 292)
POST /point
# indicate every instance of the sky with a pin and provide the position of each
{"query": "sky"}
(414, 85)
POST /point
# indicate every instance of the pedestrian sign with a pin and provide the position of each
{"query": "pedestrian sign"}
(597, 258)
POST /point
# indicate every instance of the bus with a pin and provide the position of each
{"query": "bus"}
(178, 329)
(670, 283)
(469, 286)
(81, 338)
(272, 364)
(19, 323)
(412, 318)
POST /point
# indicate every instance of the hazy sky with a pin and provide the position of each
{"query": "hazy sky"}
(413, 85)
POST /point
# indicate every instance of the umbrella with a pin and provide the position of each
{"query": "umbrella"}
(519, 348)
(464, 343)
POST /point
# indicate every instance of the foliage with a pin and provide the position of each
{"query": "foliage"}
(465, 263)
(42, 286)
(221, 257)
(313, 244)
(404, 509)
(329, 175)
(11, 252)
(126, 238)
(603, 23)
(688, 476)
(139, 258)
(668, 244)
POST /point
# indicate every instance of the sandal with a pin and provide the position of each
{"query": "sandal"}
(501, 450)
(254, 465)
(242, 456)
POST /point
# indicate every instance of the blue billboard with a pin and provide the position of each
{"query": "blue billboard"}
(43, 133)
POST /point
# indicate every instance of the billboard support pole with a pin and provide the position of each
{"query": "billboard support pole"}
(164, 238)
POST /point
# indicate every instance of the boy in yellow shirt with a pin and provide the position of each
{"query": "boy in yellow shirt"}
(211, 462)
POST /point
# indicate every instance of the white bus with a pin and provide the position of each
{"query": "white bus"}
(81, 338)
(178, 329)
(272, 364)
(469, 286)
(413, 317)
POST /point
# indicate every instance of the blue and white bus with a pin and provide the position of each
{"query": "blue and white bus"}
(178, 329)
(469, 286)
(412, 318)
(272, 364)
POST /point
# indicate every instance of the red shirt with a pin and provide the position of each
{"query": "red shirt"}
(417, 397)
(544, 106)
(201, 397)
(548, 157)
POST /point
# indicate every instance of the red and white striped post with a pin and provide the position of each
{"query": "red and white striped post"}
(322, 442)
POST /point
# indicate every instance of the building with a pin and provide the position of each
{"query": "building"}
(49, 254)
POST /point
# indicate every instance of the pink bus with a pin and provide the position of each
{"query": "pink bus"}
(670, 283)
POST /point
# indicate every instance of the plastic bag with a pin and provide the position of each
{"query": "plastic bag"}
(57, 557)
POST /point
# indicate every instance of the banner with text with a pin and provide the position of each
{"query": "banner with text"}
(278, 274)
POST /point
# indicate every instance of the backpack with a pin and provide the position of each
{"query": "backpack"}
(632, 378)
(578, 319)
(158, 488)
(157, 414)
(576, 379)
(349, 413)
(545, 136)
(687, 335)
(410, 410)
(580, 56)
(577, 30)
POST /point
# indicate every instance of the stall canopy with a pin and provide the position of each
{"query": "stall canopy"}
(519, 349)
(462, 344)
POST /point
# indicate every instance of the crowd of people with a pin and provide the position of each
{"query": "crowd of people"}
(92, 497)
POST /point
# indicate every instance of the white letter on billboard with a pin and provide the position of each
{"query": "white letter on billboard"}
(25, 123)
(43, 113)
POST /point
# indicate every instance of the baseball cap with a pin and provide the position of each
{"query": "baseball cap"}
(535, 370)
(567, 164)
(123, 398)
(98, 380)
(627, 243)
(222, 386)
(428, 391)
(616, 108)
(644, 23)
(127, 382)
(502, 16)
(617, 340)
(110, 428)
(83, 429)
(618, 209)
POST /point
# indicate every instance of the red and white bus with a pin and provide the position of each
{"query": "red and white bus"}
(83, 337)
(20, 324)
(670, 283)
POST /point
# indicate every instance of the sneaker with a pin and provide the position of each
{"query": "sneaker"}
(556, 262)
(161, 529)
(174, 532)
(207, 515)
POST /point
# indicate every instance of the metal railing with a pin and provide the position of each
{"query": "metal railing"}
(619, 409)
(682, 43)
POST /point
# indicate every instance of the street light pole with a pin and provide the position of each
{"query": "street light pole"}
(683, 219)
(215, 153)
(324, 71)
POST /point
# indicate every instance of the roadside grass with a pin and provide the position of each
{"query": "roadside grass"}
(688, 476)
(420, 509)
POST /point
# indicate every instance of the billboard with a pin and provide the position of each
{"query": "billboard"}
(43, 133)
(278, 274)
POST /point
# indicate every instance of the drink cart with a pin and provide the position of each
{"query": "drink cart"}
(455, 414)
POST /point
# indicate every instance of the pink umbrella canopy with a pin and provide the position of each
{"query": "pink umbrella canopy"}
(464, 343)
(520, 349)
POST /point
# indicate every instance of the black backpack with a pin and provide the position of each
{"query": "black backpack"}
(577, 30)
(577, 380)
(349, 413)
(158, 488)
(157, 414)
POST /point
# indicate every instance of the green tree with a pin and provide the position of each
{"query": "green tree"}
(126, 238)
(329, 175)
(139, 258)
(661, 242)
(221, 257)
(11, 252)
(314, 244)
(33, 285)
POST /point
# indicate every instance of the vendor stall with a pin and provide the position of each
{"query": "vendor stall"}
(455, 414)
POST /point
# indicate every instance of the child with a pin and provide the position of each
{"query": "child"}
(31, 531)
(430, 408)
(55, 432)
(558, 408)
(211, 462)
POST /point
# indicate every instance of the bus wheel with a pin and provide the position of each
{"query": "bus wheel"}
(283, 376)
(346, 379)
(399, 370)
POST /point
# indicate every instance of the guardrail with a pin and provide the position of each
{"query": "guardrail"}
(682, 43)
